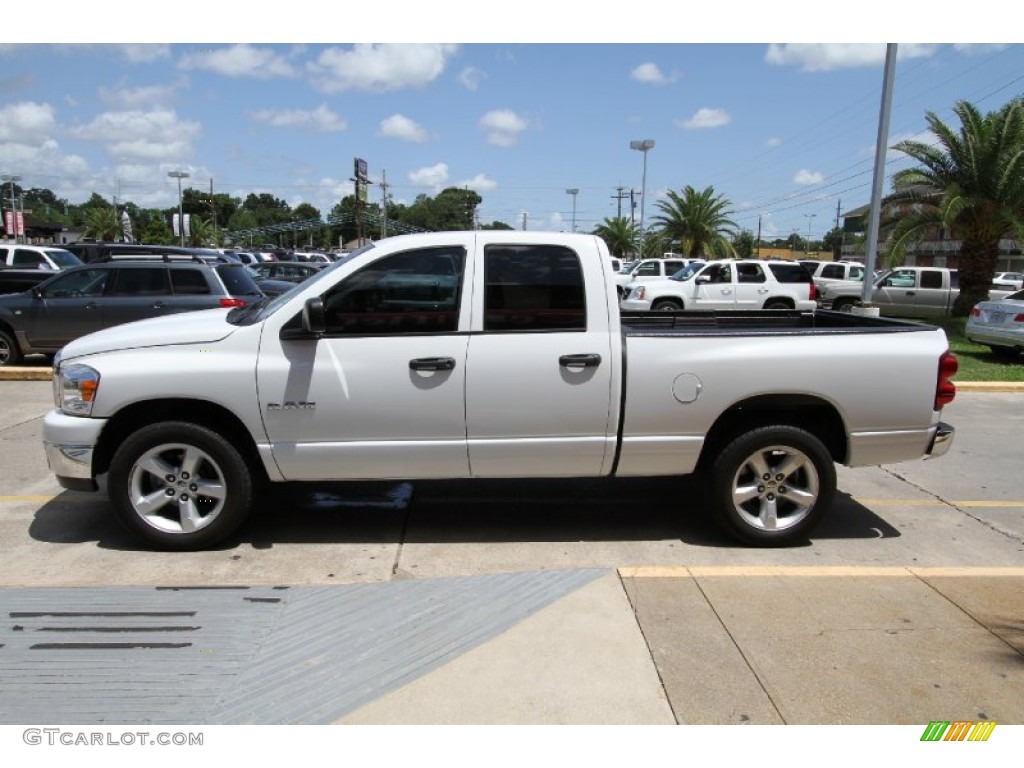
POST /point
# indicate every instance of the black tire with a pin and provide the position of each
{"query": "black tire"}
(666, 305)
(843, 305)
(10, 352)
(154, 490)
(779, 509)
(777, 304)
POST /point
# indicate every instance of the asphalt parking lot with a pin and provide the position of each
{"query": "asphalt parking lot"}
(528, 602)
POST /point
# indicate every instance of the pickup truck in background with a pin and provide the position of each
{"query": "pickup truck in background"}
(921, 292)
(25, 266)
(507, 358)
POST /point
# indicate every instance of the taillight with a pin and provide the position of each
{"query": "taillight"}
(227, 303)
(1019, 318)
(975, 312)
(945, 389)
(813, 292)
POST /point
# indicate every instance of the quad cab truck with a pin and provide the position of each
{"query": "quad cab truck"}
(922, 292)
(487, 355)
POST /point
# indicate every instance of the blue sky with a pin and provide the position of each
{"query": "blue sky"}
(785, 131)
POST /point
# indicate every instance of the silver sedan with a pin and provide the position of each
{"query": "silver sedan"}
(999, 324)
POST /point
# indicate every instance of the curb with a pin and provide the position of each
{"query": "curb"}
(24, 373)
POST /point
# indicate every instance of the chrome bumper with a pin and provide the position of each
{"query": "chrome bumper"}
(941, 442)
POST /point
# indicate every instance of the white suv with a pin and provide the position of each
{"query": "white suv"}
(646, 270)
(827, 272)
(36, 257)
(728, 284)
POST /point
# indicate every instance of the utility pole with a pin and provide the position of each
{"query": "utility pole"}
(620, 197)
(524, 221)
(213, 213)
(632, 207)
(757, 245)
(384, 204)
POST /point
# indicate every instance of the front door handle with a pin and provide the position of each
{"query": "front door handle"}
(432, 364)
(579, 361)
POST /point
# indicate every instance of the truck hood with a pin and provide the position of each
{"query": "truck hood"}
(199, 327)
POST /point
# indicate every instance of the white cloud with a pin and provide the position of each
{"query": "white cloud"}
(824, 57)
(651, 73)
(808, 178)
(241, 60)
(155, 135)
(977, 48)
(503, 127)
(403, 128)
(319, 120)
(368, 67)
(43, 159)
(774, 141)
(479, 183)
(471, 77)
(435, 176)
(142, 54)
(122, 97)
(705, 117)
(26, 123)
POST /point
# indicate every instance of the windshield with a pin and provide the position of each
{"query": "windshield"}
(261, 310)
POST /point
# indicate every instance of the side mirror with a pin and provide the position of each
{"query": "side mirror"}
(314, 319)
(703, 279)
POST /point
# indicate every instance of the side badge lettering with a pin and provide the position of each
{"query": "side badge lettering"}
(292, 405)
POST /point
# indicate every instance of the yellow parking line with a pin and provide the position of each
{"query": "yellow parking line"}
(697, 571)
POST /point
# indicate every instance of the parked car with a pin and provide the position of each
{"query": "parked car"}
(999, 324)
(84, 299)
(43, 257)
(648, 269)
(1013, 281)
(827, 272)
(727, 285)
(920, 292)
(519, 367)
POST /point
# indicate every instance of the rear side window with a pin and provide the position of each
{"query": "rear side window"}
(189, 282)
(533, 288)
(931, 279)
(29, 259)
(144, 281)
(750, 273)
(790, 273)
(237, 280)
(835, 271)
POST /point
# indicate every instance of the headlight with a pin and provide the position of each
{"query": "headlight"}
(75, 389)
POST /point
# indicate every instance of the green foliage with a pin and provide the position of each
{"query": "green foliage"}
(743, 244)
(700, 220)
(621, 236)
(102, 223)
(972, 184)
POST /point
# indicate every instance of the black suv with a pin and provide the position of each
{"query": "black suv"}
(84, 299)
(89, 251)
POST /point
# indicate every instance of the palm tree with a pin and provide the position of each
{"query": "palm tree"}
(699, 220)
(102, 223)
(971, 183)
(619, 234)
(200, 232)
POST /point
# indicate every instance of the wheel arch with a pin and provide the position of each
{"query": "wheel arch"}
(807, 412)
(676, 300)
(783, 300)
(200, 412)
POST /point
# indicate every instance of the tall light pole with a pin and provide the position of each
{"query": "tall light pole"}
(573, 192)
(179, 175)
(14, 205)
(807, 245)
(643, 145)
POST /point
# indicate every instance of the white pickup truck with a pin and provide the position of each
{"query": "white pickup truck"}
(923, 292)
(486, 354)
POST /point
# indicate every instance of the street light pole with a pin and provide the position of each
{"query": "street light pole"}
(807, 245)
(14, 205)
(643, 145)
(179, 175)
(573, 192)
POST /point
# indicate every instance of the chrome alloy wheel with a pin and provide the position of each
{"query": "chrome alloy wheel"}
(176, 488)
(775, 488)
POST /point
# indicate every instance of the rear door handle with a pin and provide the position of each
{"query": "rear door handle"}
(579, 361)
(432, 364)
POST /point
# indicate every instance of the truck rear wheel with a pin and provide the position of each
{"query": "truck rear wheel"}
(772, 485)
(843, 305)
(10, 352)
(180, 486)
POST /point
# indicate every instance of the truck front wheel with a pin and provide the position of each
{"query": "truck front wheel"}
(667, 305)
(179, 486)
(772, 485)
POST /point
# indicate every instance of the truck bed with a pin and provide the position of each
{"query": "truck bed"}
(760, 323)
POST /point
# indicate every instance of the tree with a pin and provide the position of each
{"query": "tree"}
(743, 244)
(833, 242)
(698, 220)
(621, 237)
(971, 183)
(102, 223)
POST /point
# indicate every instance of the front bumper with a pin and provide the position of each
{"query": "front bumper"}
(69, 443)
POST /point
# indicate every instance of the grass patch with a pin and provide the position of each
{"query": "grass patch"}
(977, 362)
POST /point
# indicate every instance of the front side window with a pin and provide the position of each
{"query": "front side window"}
(85, 282)
(533, 288)
(718, 273)
(648, 269)
(410, 292)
